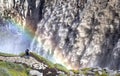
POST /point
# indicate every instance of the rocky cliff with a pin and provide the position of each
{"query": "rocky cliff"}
(77, 33)
(85, 32)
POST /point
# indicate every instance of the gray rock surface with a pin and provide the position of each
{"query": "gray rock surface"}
(78, 33)
(32, 62)
(35, 73)
(40, 69)
(83, 33)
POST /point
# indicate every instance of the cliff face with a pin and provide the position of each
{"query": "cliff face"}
(85, 32)
(78, 33)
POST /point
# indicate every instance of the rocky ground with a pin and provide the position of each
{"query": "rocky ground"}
(41, 69)
(32, 62)
(38, 67)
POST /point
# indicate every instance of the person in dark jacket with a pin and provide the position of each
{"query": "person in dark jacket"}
(27, 53)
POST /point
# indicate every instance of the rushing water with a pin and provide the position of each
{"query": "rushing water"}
(12, 39)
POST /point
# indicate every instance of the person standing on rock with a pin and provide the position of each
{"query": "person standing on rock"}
(27, 53)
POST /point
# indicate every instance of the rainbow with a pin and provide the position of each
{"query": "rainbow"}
(48, 44)
(27, 30)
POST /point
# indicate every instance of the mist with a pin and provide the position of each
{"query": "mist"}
(12, 39)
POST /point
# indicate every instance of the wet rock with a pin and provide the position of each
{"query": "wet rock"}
(35, 73)
(71, 73)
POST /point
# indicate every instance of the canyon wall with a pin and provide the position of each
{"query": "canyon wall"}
(83, 33)
(78, 33)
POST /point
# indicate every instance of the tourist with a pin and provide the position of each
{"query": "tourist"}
(27, 53)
